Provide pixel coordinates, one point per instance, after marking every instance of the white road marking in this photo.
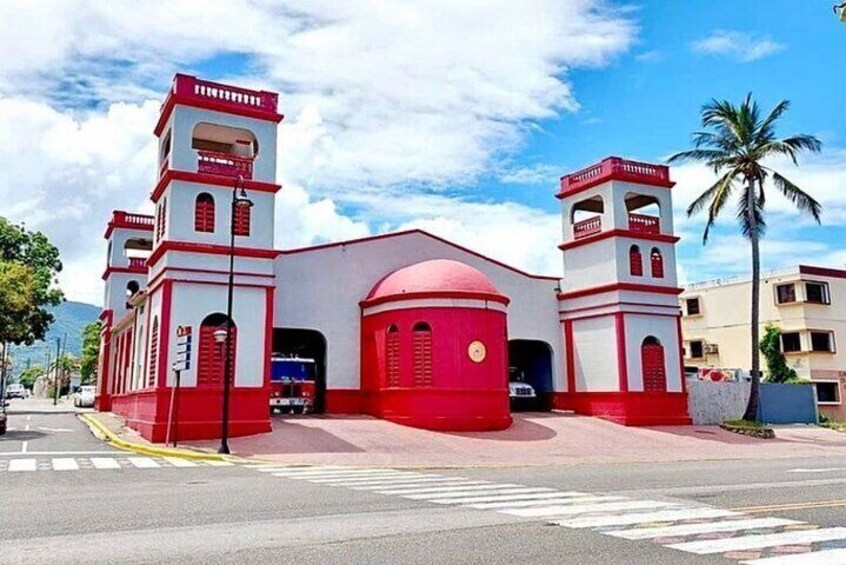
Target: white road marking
(334, 474)
(24, 445)
(512, 498)
(13, 453)
(452, 487)
(16, 465)
(818, 470)
(345, 480)
(143, 462)
(760, 541)
(179, 462)
(566, 510)
(690, 529)
(434, 481)
(464, 494)
(825, 557)
(65, 464)
(215, 463)
(549, 502)
(54, 430)
(642, 517)
(105, 463)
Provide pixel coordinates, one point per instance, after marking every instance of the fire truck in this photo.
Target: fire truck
(292, 385)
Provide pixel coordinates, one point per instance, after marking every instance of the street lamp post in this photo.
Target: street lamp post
(238, 201)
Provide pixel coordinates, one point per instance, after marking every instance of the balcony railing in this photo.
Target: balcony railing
(587, 227)
(128, 220)
(186, 86)
(226, 164)
(137, 263)
(644, 224)
(615, 168)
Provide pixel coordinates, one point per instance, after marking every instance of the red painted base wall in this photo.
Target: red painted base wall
(629, 408)
(198, 412)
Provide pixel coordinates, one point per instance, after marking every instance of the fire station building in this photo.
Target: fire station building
(403, 326)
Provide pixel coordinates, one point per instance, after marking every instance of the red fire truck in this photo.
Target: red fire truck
(292, 385)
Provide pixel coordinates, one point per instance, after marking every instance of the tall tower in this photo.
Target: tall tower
(618, 304)
(213, 139)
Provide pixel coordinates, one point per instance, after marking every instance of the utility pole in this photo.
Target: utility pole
(56, 380)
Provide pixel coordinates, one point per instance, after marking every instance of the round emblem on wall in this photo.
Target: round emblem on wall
(476, 350)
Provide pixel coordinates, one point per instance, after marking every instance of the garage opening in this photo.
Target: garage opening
(530, 363)
(298, 371)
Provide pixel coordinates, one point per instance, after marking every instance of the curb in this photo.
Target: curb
(101, 431)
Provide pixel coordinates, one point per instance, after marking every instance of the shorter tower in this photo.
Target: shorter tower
(618, 306)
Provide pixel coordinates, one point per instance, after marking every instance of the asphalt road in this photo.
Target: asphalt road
(238, 514)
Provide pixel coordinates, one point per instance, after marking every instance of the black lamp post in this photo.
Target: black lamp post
(238, 201)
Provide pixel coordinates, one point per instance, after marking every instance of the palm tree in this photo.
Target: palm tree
(734, 143)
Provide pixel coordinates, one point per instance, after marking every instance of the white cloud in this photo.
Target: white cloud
(737, 45)
(545, 174)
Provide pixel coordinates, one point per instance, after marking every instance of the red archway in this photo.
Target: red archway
(652, 365)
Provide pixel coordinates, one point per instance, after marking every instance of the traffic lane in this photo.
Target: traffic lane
(46, 433)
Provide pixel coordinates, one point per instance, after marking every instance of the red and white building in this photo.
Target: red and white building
(404, 326)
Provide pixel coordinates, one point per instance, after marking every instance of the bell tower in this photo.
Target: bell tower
(618, 303)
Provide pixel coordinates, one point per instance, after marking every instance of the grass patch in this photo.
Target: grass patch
(832, 425)
(744, 424)
(747, 428)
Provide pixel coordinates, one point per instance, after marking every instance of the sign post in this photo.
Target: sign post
(182, 363)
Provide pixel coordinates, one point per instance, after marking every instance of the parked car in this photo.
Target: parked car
(84, 397)
(521, 394)
(15, 390)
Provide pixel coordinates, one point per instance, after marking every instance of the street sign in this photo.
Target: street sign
(183, 349)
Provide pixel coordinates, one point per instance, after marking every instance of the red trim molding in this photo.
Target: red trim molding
(209, 179)
(661, 237)
(164, 333)
(613, 287)
(571, 359)
(133, 270)
(208, 249)
(822, 272)
(489, 297)
(622, 364)
(681, 355)
(615, 168)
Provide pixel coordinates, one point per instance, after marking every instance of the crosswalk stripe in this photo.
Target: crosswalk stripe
(461, 494)
(452, 487)
(690, 529)
(267, 467)
(179, 462)
(548, 502)
(761, 541)
(433, 481)
(16, 465)
(213, 463)
(643, 517)
(104, 463)
(824, 557)
(357, 479)
(65, 464)
(331, 474)
(566, 510)
(512, 498)
(143, 462)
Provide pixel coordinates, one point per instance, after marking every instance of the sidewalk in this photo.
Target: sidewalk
(534, 439)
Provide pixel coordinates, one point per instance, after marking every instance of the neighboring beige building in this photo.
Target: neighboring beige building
(807, 303)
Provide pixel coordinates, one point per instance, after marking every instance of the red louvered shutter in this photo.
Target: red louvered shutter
(392, 354)
(154, 354)
(204, 213)
(635, 261)
(242, 220)
(210, 356)
(657, 264)
(422, 356)
(652, 364)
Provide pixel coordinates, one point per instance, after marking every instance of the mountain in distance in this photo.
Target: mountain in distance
(68, 318)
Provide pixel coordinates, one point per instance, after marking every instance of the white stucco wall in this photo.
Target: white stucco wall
(595, 355)
(321, 289)
(665, 329)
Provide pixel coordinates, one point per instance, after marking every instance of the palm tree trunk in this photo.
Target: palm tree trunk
(755, 373)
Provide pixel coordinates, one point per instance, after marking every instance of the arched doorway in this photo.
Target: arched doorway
(309, 346)
(530, 362)
(652, 365)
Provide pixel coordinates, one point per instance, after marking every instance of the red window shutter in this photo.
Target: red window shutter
(242, 220)
(154, 354)
(211, 366)
(204, 214)
(392, 354)
(652, 365)
(635, 262)
(422, 358)
(657, 261)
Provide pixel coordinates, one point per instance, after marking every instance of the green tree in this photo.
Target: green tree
(90, 352)
(28, 375)
(735, 143)
(777, 368)
(31, 265)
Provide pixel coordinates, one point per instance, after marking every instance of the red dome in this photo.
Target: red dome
(438, 278)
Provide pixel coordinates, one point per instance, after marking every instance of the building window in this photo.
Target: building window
(697, 349)
(786, 293)
(421, 369)
(242, 220)
(154, 354)
(692, 306)
(160, 229)
(204, 213)
(657, 262)
(828, 392)
(211, 355)
(652, 365)
(635, 261)
(817, 293)
(822, 341)
(392, 356)
(790, 342)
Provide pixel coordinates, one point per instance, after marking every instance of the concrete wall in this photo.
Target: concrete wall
(595, 355)
(711, 403)
(787, 404)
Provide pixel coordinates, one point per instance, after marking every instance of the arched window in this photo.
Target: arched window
(421, 367)
(242, 220)
(392, 356)
(635, 261)
(204, 213)
(652, 365)
(657, 262)
(154, 354)
(211, 354)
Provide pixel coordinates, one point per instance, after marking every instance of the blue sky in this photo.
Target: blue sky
(455, 117)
